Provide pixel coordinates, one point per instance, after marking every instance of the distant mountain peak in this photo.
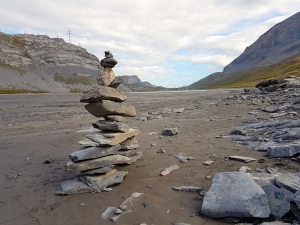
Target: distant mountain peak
(278, 43)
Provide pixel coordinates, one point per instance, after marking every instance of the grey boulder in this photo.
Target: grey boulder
(286, 150)
(106, 77)
(99, 93)
(289, 181)
(278, 200)
(106, 107)
(235, 194)
(109, 62)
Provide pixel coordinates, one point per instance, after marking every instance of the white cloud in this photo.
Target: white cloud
(147, 35)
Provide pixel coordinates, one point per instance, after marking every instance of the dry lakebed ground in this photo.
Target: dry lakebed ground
(35, 126)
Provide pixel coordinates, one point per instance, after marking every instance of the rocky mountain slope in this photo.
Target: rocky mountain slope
(40, 63)
(278, 48)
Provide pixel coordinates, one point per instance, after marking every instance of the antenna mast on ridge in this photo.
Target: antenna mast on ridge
(69, 32)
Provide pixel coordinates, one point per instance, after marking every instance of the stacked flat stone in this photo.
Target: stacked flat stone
(112, 145)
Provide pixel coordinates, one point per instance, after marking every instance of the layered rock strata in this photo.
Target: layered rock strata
(114, 144)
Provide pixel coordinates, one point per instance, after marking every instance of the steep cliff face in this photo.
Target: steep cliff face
(134, 80)
(276, 45)
(38, 62)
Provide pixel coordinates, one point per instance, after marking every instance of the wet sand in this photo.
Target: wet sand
(35, 126)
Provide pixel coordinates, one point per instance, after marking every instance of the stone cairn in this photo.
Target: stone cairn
(112, 145)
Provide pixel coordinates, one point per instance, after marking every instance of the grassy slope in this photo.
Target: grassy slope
(250, 77)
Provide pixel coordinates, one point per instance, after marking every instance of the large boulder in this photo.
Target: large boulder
(99, 93)
(235, 194)
(106, 107)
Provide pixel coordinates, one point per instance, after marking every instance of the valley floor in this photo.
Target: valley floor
(35, 126)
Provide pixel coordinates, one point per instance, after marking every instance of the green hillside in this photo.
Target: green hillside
(250, 77)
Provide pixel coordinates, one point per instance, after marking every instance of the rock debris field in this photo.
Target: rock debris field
(214, 157)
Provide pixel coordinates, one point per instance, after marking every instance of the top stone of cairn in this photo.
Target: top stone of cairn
(108, 54)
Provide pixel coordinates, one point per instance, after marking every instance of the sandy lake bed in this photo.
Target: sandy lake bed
(35, 126)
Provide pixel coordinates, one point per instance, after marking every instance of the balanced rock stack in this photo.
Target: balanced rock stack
(112, 145)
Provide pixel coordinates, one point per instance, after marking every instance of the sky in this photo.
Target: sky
(170, 43)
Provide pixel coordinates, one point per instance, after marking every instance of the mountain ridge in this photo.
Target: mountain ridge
(278, 46)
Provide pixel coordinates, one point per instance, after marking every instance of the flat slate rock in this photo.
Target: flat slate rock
(289, 181)
(99, 93)
(286, 150)
(85, 153)
(111, 126)
(101, 170)
(75, 186)
(97, 163)
(270, 109)
(136, 157)
(241, 158)
(278, 200)
(265, 179)
(105, 107)
(95, 180)
(235, 194)
(115, 118)
(108, 139)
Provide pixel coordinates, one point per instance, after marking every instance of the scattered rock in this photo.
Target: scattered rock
(169, 170)
(170, 131)
(188, 188)
(128, 202)
(272, 170)
(161, 151)
(241, 158)
(208, 162)
(109, 212)
(244, 169)
(50, 159)
(183, 157)
(181, 110)
(270, 109)
(115, 218)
